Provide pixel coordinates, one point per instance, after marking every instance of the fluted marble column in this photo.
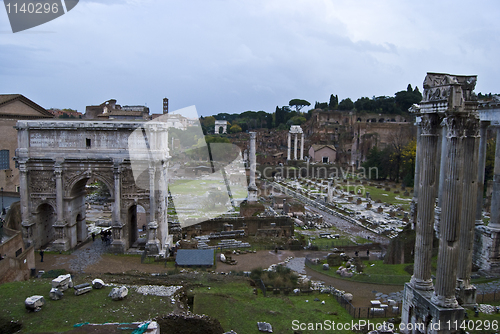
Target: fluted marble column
(416, 182)
(295, 147)
(302, 147)
(442, 170)
(480, 171)
(441, 175)
(289, 146)
(421, 278)
(495, 196)
(469, 202)
(444, 292)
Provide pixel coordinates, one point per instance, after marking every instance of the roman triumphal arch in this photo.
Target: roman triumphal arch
(56, 158)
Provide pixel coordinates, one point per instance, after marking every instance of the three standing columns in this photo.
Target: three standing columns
(457, 206)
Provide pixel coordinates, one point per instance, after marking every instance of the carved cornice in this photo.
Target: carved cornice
(448, 93)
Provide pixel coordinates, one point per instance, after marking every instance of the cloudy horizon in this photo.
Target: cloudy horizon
(234, 56)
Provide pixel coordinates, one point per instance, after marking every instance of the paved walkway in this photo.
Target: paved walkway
(87, 255)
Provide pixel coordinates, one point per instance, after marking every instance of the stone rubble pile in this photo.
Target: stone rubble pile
(157, 290)
(223, 244)
(488, 309)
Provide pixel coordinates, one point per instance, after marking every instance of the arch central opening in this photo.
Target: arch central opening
(47, 217)
(90, 208)
(137, 227)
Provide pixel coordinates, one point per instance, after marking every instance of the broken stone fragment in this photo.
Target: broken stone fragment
(265, 327)
(34, 303)
(55, 294)
(62, 282)
(118, 293)
(97, 283)
(82, 288)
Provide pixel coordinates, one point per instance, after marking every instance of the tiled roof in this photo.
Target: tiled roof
(7, 98)
(317, 147)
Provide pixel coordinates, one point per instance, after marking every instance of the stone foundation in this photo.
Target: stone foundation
(426, 317)
(486, 250)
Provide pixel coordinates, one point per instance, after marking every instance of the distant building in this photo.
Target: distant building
(323, 153)
(14, 107)
(111, 110)
(58, 113)
(165, 106)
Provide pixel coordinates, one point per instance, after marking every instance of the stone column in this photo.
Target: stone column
(59, 194)
(330, 191)
(289, 146)
(480, 171)
(416, 182)
(444, 293)
(152, 244)
(295, 148)
(442, 170)
(495, 195)
(468, 213)
(441, 175)
(61, 242)
(152, 200)
(24, 199)
(302, 147)
(117, 195)
(252, 187)
(421, 278)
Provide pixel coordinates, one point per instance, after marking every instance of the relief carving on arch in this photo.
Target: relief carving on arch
(42, 182)
(128, 184)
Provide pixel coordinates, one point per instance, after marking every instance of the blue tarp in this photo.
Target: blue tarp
(195, 257)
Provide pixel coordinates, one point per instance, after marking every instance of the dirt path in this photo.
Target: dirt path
(91, 259)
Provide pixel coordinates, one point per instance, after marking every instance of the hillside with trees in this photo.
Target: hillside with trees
(285, 116)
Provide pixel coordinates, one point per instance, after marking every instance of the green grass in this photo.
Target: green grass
(324, 243)
(60, 315)
(237, 308)
(378, 194)
(379, 273)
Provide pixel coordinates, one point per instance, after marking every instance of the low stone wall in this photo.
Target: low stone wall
(16, 259)
(251, 225)
(486, 250)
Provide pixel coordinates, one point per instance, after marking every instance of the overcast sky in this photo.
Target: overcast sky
(237, 55)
